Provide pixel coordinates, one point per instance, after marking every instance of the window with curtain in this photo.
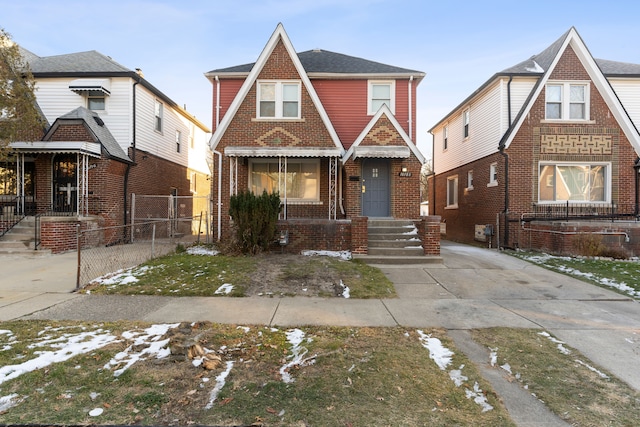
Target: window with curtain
(302, 179)
(577, 183)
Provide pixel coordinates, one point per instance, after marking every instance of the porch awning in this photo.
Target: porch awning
(101, 85)
(91, 148)
(382, 152)
(282, 152)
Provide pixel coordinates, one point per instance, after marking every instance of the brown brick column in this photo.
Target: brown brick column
(429, 230)
(359, 235)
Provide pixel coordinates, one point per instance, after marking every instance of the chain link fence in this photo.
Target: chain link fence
(106, 250)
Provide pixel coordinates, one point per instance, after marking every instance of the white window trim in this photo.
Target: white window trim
(453, 205)
(290, 200)
(566, 101)
(466, 113)
(445, 138)
(493, 170)
(156, 116)
(562, 202)
(178, 140)
(469, 184)
(104, 98)
(392, 94)
(279, 100)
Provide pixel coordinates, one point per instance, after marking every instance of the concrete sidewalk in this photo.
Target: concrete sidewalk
(472, 288)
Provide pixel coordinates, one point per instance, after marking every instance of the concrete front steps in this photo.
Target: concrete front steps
(395, 241)
(20, 239)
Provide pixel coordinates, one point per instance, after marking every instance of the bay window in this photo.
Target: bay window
(573, 182)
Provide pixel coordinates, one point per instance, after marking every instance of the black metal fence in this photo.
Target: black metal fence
(581, 211)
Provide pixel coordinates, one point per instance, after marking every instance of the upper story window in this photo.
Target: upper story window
(567, 101)
(381, 92)
(465, 123)
(178, 140)
(445, 137)
(159, 111)
(96, 100)
(278, 100)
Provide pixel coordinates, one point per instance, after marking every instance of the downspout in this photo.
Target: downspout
(133, 155)
(219, 154)
(636, 167)
(506, 169)
(410, 108)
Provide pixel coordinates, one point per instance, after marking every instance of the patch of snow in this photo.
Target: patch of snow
(220, 382)
(592, 369)
(506, 367)
(9, 401)
(479, 397)
(11, 339)
(493, 356)
(295, 337)
(346, 292)
(202, 250)
(343, 255)
(437, 352)
(150, 342)
(559, 343)
(67, 346)
(536, 68)
(96, 412)
(226, 288)
(414, 230)
(457, 377)
(246, 329)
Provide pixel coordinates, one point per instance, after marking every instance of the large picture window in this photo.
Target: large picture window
(572, 182)
(278, 100)
(9, 179)
(299, 180)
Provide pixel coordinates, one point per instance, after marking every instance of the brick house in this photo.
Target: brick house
(332, 133)
(110, 134)
(542, 154)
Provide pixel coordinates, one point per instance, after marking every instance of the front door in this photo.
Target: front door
(375, 188)
(65, 183)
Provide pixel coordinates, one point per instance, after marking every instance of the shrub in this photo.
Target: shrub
(587, 244)
(254, 219)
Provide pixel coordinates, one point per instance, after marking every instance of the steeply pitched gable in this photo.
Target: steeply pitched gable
(572, 39)
(389, 142)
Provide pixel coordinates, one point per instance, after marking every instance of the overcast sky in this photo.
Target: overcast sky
(459, 44)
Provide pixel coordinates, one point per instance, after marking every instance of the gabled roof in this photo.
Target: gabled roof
(383, 151)
(573, 39)
(278, 35)
(97, 128)
(539, 64)
(323, 62)
(91, 64)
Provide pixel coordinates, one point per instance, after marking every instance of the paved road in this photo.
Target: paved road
(472, 288)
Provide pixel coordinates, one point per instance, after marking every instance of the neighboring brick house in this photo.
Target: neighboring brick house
(333, 134)
(113, 134)
(543, 152)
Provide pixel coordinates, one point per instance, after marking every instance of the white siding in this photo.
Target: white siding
(488, 123)
(628, 91)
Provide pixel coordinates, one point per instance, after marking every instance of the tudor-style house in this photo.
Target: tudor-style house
(333, 134)
(542, 154)
(110, 134)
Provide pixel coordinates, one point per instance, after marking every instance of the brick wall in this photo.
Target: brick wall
(429, 232)
(360, 235)
(60, 234)
(316, 234)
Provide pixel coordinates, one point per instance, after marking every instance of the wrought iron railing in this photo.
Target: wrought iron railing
(581, 211)
(11, 213)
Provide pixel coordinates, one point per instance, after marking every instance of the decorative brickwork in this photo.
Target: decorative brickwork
(576, 144)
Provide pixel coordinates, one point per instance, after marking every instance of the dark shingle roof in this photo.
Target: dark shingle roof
(81, 62)
(324, 61)
(104, 136)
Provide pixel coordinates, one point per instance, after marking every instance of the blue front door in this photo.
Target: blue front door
(375, 188)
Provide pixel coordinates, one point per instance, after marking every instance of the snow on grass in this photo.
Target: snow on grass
(225, 289)
(442, 356)
(343, 255)
(295, 337)
(11, 339)
(123, 276)
(346, 292)
(65, 347)
(592, 369)
(220, 382)
(437, 352)
(9, 401)
(150, 342)
(201, 250)
(559, 343)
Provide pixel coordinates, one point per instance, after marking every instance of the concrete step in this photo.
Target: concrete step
(394, 243)
(413, 251)
(398, 260)
(389, 222)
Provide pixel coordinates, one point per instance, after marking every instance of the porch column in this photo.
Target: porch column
(333, 193)
(282, 181)
(83, 185)
(20, 183)
(233, 176)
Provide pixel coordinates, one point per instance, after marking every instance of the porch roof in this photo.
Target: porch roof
(282, 152)
(93, 149)
(382, 152)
